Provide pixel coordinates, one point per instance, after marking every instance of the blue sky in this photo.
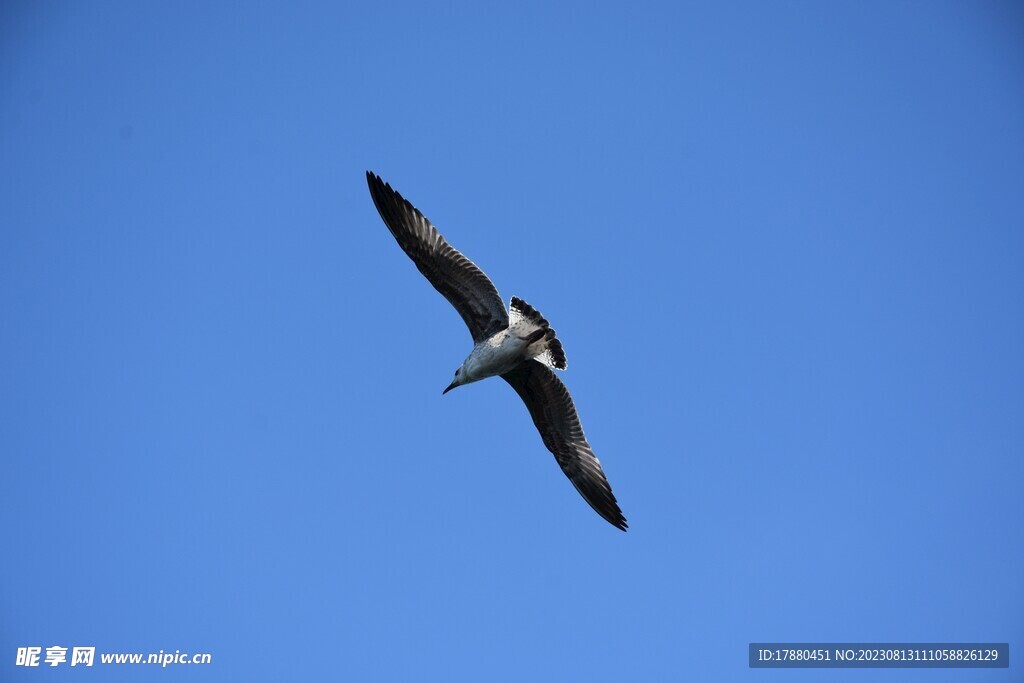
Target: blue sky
(781, 242)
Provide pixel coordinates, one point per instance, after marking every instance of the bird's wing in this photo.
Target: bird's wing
(555, 416)
(464, 285)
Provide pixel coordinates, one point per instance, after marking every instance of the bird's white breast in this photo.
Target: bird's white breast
(495, 355)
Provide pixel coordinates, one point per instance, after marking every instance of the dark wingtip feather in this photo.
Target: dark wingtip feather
(603, 501)
(388, 200)
(613, 515)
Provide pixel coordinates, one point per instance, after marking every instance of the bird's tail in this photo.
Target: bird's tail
(528, 324)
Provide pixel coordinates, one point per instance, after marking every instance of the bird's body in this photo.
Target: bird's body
(495, 355)
(516, 344)
(528, 336)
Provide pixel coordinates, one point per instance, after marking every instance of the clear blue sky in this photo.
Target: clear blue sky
(783, 245)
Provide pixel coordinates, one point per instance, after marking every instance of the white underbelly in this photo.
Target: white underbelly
(496, 355)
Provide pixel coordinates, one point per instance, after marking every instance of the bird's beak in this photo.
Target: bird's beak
(448, 388)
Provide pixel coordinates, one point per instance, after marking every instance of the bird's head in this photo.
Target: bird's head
(460, 379)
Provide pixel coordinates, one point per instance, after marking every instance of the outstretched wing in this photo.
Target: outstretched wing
(555, 416)
(455, 276)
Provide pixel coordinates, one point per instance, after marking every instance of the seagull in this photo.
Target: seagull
(518, 345)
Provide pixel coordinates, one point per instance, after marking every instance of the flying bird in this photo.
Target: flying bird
(518, 345)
